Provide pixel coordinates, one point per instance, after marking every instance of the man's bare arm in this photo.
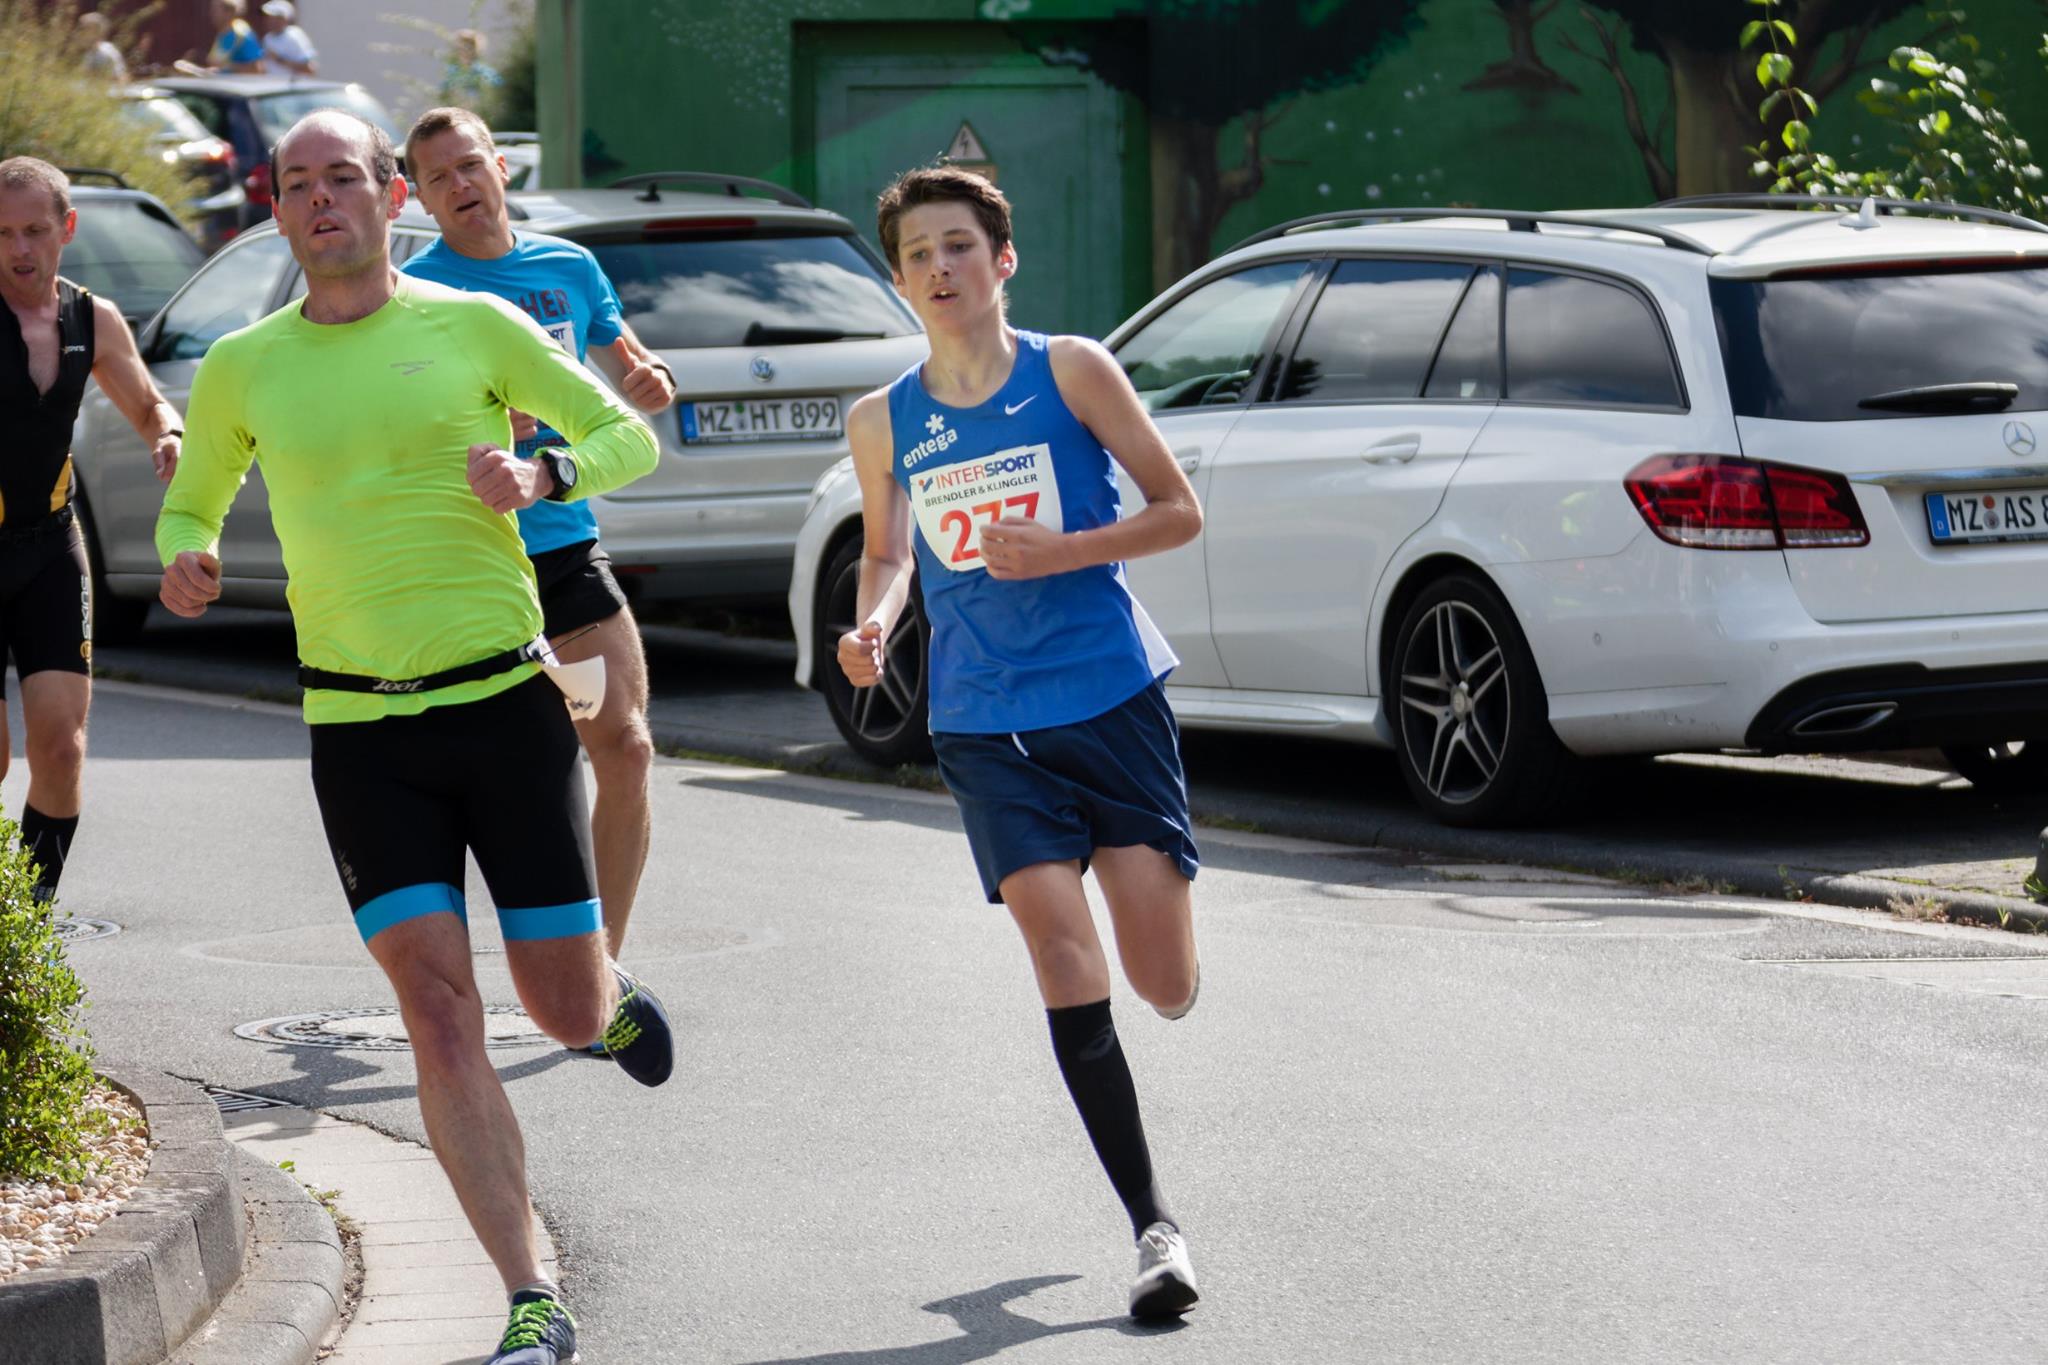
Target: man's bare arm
(126, 381)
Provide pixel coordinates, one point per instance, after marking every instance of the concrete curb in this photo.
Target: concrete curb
(1419, 834)
(290, 1294)
(135, 1288)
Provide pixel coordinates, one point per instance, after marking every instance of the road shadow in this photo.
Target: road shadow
(324, 1078)
(988, 1326)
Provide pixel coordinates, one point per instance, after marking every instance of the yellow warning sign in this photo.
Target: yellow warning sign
(967, 151)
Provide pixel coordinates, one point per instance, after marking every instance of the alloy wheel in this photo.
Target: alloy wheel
(1455, 693)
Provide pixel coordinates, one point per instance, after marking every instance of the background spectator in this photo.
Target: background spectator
(236, 49)
(102, 58)
(467, 77)
(287, 51)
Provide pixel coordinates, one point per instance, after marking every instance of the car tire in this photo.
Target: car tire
(115, 620)
(2015, 767)
(888, 723)
(1470, 718)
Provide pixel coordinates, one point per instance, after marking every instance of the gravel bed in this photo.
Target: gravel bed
(40, 1221)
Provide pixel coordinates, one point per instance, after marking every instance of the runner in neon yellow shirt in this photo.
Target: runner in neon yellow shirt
(397, 570)
(377, 410)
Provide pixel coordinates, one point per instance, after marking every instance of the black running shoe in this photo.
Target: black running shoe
(540, 1332)
(638, 1037)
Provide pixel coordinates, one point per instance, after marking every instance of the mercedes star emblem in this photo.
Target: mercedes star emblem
(2019, 439)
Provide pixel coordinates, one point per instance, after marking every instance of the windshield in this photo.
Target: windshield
(275, 114)
(129, 256)
(166, 119)
(684, 293)
(1813, 349)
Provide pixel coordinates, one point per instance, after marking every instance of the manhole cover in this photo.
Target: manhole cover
(380, 1029)
(80, 930)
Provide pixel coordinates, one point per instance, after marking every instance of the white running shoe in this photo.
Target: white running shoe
(1182, 1012)
(1165, 1286)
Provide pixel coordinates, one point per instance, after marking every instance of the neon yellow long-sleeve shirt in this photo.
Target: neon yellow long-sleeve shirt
(362, 431)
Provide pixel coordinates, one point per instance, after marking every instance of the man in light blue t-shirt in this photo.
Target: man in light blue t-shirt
(460, 178)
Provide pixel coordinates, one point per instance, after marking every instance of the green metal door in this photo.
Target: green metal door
(883, 99)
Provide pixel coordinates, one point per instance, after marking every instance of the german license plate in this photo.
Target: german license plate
(792, 418)
(1988, 515)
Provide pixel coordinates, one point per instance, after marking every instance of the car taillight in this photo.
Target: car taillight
(257, 183)
(1723, 502)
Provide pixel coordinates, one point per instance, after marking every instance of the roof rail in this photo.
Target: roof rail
(1518, 220)
(95, 173)
(734, 185)
(1937, 207)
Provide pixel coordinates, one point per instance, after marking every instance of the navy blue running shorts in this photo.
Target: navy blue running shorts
(1054, 795)
(405, 797)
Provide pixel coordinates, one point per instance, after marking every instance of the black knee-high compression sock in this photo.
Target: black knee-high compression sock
(1092, 1061)
(47, 839)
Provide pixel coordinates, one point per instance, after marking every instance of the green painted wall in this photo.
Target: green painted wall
(1434, 114)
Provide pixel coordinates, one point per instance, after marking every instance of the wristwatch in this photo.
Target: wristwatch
(562, 469)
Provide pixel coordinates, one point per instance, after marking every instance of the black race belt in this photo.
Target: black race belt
(531, 652)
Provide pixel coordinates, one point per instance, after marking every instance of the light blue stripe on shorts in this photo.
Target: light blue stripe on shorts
(409, 902)
(551, 921)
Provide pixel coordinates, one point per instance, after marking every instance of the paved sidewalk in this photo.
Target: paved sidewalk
(430, 1296)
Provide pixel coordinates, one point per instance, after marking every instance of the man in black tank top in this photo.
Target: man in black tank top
(53, 337)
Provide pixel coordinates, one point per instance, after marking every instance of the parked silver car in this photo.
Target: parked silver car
(773, 315)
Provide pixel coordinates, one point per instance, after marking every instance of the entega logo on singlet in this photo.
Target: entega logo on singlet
(942, 438)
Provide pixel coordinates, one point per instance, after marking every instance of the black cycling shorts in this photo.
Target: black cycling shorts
(404, 797)
(46, 601)
(577, 588)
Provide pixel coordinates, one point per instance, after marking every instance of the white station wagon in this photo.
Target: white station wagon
(1505, 490)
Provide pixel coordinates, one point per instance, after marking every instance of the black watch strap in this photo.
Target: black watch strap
(561, 472)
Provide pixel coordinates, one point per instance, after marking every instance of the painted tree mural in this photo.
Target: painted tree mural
(1523, 71)
(1202, 66)
(1713, 89)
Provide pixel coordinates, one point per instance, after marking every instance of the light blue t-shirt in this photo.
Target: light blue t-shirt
(560, 286)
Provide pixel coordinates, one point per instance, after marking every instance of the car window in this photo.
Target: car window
(275, 114)
(1204, 347)
(164, 118)
(757, 289)
(1571, 339)
(1374, 328)
(1468, 365)
(1811, 350)
(233, 291)
(125, 253)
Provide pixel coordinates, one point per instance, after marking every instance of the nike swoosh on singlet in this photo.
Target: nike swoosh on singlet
(1012, 411)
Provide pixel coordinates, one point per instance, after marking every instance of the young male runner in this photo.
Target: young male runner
(55, 334)
(993, 459)
(461, 179)
(378, 410)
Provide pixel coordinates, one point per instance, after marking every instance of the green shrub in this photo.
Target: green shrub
(45, 1058)
(52, 108)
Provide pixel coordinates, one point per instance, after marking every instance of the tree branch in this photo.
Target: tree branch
(1663, 184)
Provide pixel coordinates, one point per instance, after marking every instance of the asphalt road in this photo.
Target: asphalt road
(1846, 832)
(1418, 1115)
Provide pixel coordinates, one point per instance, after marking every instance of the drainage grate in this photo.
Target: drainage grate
(381, 1029)
(83, 930)
(238, 1102)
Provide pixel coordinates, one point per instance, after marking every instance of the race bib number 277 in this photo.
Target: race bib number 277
(954, 504)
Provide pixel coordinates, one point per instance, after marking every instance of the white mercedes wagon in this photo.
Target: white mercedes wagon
(1502, 491)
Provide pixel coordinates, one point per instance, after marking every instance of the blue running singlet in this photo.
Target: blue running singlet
(1016, 655)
